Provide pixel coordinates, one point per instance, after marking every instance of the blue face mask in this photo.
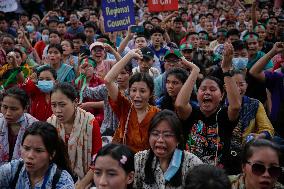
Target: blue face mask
(30, 29)
(174, 165)
(45, 38)
(45, 86)
(240, 63)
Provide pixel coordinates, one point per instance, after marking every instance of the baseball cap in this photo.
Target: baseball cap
(147, 53)
(173, 52)
(95, 44)
(186, 46)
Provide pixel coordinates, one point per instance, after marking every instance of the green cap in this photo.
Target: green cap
(175, 52)
(186, 46)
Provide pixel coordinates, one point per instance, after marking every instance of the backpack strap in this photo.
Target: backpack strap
(56, 178)
(16, 177)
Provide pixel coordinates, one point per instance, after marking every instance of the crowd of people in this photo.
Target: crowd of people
(192, 98)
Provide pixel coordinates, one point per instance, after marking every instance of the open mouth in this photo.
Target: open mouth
(29, 165)
(137, 103)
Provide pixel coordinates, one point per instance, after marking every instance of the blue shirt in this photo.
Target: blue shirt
(79, 29)
(8, 172)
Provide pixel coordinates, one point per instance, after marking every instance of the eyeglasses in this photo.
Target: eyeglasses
(164, 135)
(259, 169)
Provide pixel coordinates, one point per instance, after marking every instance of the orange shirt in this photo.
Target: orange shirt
(137, 137)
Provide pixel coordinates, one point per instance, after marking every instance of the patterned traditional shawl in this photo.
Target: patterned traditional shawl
(80, 141)
(25, 121)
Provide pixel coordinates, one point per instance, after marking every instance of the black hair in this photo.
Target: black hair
(207, 176)
(233, 32)
(180, 74)
(239, 45)
(70, 42)
(81, 36)
(47, 68)
(54, 32)
(128, 67)
(67, 89)
(145, 77)
(4, 18)
(253, 145)
(218, 81)
(175, 124)
(52, 142)
(92, 25)
(204, 32)
(18, 94)
(201, 15)
(157, 29)
(118, 152)
(56, 46)
(178, 19)
(271, 17)
(147, 22)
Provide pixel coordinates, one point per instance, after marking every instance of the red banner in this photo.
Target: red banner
(162, 5)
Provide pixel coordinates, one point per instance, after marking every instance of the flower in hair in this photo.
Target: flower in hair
(123, 159)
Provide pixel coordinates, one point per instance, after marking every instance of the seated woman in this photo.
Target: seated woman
(119, 159)
(67, 57)
(208, 127)
(100, 93)
(165, 164)
(260, 165)
(65, 73)
(45, 162)
(78, 128)
(253, 123)
(175, 79)
(134, 115)
(13, 123)
(39, 89)
(88, 78)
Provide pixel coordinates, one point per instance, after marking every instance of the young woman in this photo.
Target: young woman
(78, 128)
(110, 122)
(67, 57)
(13, 123)
(253, 123)
(100, 93)
(175, 79)
(165, 165)
(134, 115)
(260, 165)
(114, 167)
(65, 73)
(207, 126)
(88, 78)
(45, 162)
(39, 89)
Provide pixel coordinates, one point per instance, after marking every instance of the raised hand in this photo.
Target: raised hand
(136, 53)
(278, 47)
(227, 57)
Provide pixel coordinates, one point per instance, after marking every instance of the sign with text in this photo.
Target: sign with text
(118, 14)
(8, 5)
(162, 5)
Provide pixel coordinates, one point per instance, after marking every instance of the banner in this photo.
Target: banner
(118, 14)
(162, 5)
(8, 5)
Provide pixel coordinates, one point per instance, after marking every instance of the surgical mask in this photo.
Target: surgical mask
(45, 38)
(240, 63)
(174, 165)
(45, 86)
(30, 29)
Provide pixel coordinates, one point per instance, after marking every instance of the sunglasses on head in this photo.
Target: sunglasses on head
(259, 169)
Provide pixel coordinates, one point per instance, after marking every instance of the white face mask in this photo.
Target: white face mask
(45, 38)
